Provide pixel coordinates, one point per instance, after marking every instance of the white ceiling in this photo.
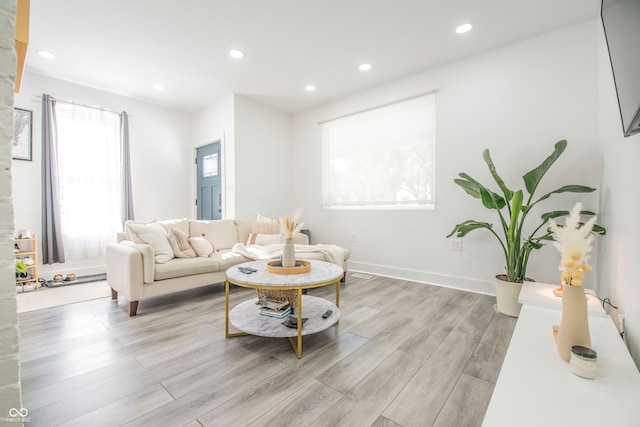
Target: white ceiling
(127, 46)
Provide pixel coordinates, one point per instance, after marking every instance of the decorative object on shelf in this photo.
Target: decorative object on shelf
(288, 227)
(26, 253)
(288, 254)
(299, 267)
(21, 270)
(289, 295)
(573, 241)
(515, 247)
(21, 143)
(583, 362)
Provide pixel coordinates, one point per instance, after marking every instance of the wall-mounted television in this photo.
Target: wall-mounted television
(621, 22)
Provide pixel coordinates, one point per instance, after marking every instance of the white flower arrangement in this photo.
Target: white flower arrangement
(573, 240)
(289, 224)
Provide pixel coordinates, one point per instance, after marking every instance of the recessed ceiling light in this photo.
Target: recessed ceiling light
(309, 88)
(364, 67)
(159, 88)
(464, 28)
(46, 54)
(236, 53)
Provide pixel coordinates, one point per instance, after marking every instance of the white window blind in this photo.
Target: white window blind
(382, 158)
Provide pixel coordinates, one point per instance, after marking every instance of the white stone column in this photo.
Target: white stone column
(10, 391)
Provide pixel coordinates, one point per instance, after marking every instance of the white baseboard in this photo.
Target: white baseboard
(48, 271)
(462, 283)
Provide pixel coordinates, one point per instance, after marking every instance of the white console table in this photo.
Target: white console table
(536, 388)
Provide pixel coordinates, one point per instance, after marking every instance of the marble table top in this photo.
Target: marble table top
(321, 273)
(247, 318)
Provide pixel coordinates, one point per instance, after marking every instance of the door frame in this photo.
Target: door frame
(223, 179)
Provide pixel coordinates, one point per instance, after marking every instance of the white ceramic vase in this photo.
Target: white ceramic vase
(288, 254)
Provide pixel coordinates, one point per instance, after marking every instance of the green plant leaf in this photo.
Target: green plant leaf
(566, 189)
(557, 214)
(508, 194)
(516, 208)
(492, 200)
(464, 228)
(533, 177)
(469, 185)
(473, 188)
(21, 267)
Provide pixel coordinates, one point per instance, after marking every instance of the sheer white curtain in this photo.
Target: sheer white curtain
(89, 172)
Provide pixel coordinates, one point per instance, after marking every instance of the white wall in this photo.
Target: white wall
(517, 101)
(264, 180)
(621, 173)
(212, 124)
(161, 160)
(256, 145)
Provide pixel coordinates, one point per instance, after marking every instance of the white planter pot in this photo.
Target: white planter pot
(507, 294)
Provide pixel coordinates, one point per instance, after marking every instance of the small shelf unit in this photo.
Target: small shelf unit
(28, 248)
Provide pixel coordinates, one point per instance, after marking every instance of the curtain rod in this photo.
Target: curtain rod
(378, 106)
(39, 97)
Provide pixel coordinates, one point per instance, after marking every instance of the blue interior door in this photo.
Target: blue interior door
(209, 182)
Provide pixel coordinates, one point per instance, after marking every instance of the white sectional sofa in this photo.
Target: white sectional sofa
(161, 257)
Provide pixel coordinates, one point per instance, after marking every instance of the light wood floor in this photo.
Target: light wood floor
(403, 354)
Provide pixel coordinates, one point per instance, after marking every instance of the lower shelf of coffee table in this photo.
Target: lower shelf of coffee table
(247, 318)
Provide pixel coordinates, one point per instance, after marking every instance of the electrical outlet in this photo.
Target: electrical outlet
(455, 245)
(353, 237)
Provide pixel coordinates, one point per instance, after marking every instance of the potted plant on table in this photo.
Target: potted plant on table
(512, 211)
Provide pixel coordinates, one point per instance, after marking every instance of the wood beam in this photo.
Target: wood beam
(21, 39)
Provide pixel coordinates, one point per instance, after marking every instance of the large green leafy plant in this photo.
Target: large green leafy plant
(513, 210)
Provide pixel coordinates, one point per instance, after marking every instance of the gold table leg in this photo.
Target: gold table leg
(297, 346)
(226, 320)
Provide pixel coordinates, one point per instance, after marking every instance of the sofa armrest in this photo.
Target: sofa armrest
(148, 259)
(125, 270)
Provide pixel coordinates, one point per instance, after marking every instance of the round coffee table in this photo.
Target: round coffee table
(247, 318)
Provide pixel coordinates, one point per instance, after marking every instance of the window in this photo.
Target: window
(89, 178)
(381, 158)
(210, 165)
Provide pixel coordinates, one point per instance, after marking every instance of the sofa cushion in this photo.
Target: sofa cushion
(179, 242)
(182, 267)
(202, 246)
(155, 236)
(130, 235)
(221, 233)
(228, 258)
(258, 227)
(178, 224)
(266, 219)
(243, 227)
(263, 239)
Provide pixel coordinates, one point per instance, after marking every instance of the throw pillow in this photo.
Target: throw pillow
(262, 218)
(154, 236)
(264, 239)
(202, 246)
(180, 244)
(265, 227)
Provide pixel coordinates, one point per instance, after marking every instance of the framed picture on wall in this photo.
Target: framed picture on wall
(21, 134)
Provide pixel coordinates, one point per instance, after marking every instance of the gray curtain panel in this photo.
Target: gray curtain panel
(127, 194)
(52, 246)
